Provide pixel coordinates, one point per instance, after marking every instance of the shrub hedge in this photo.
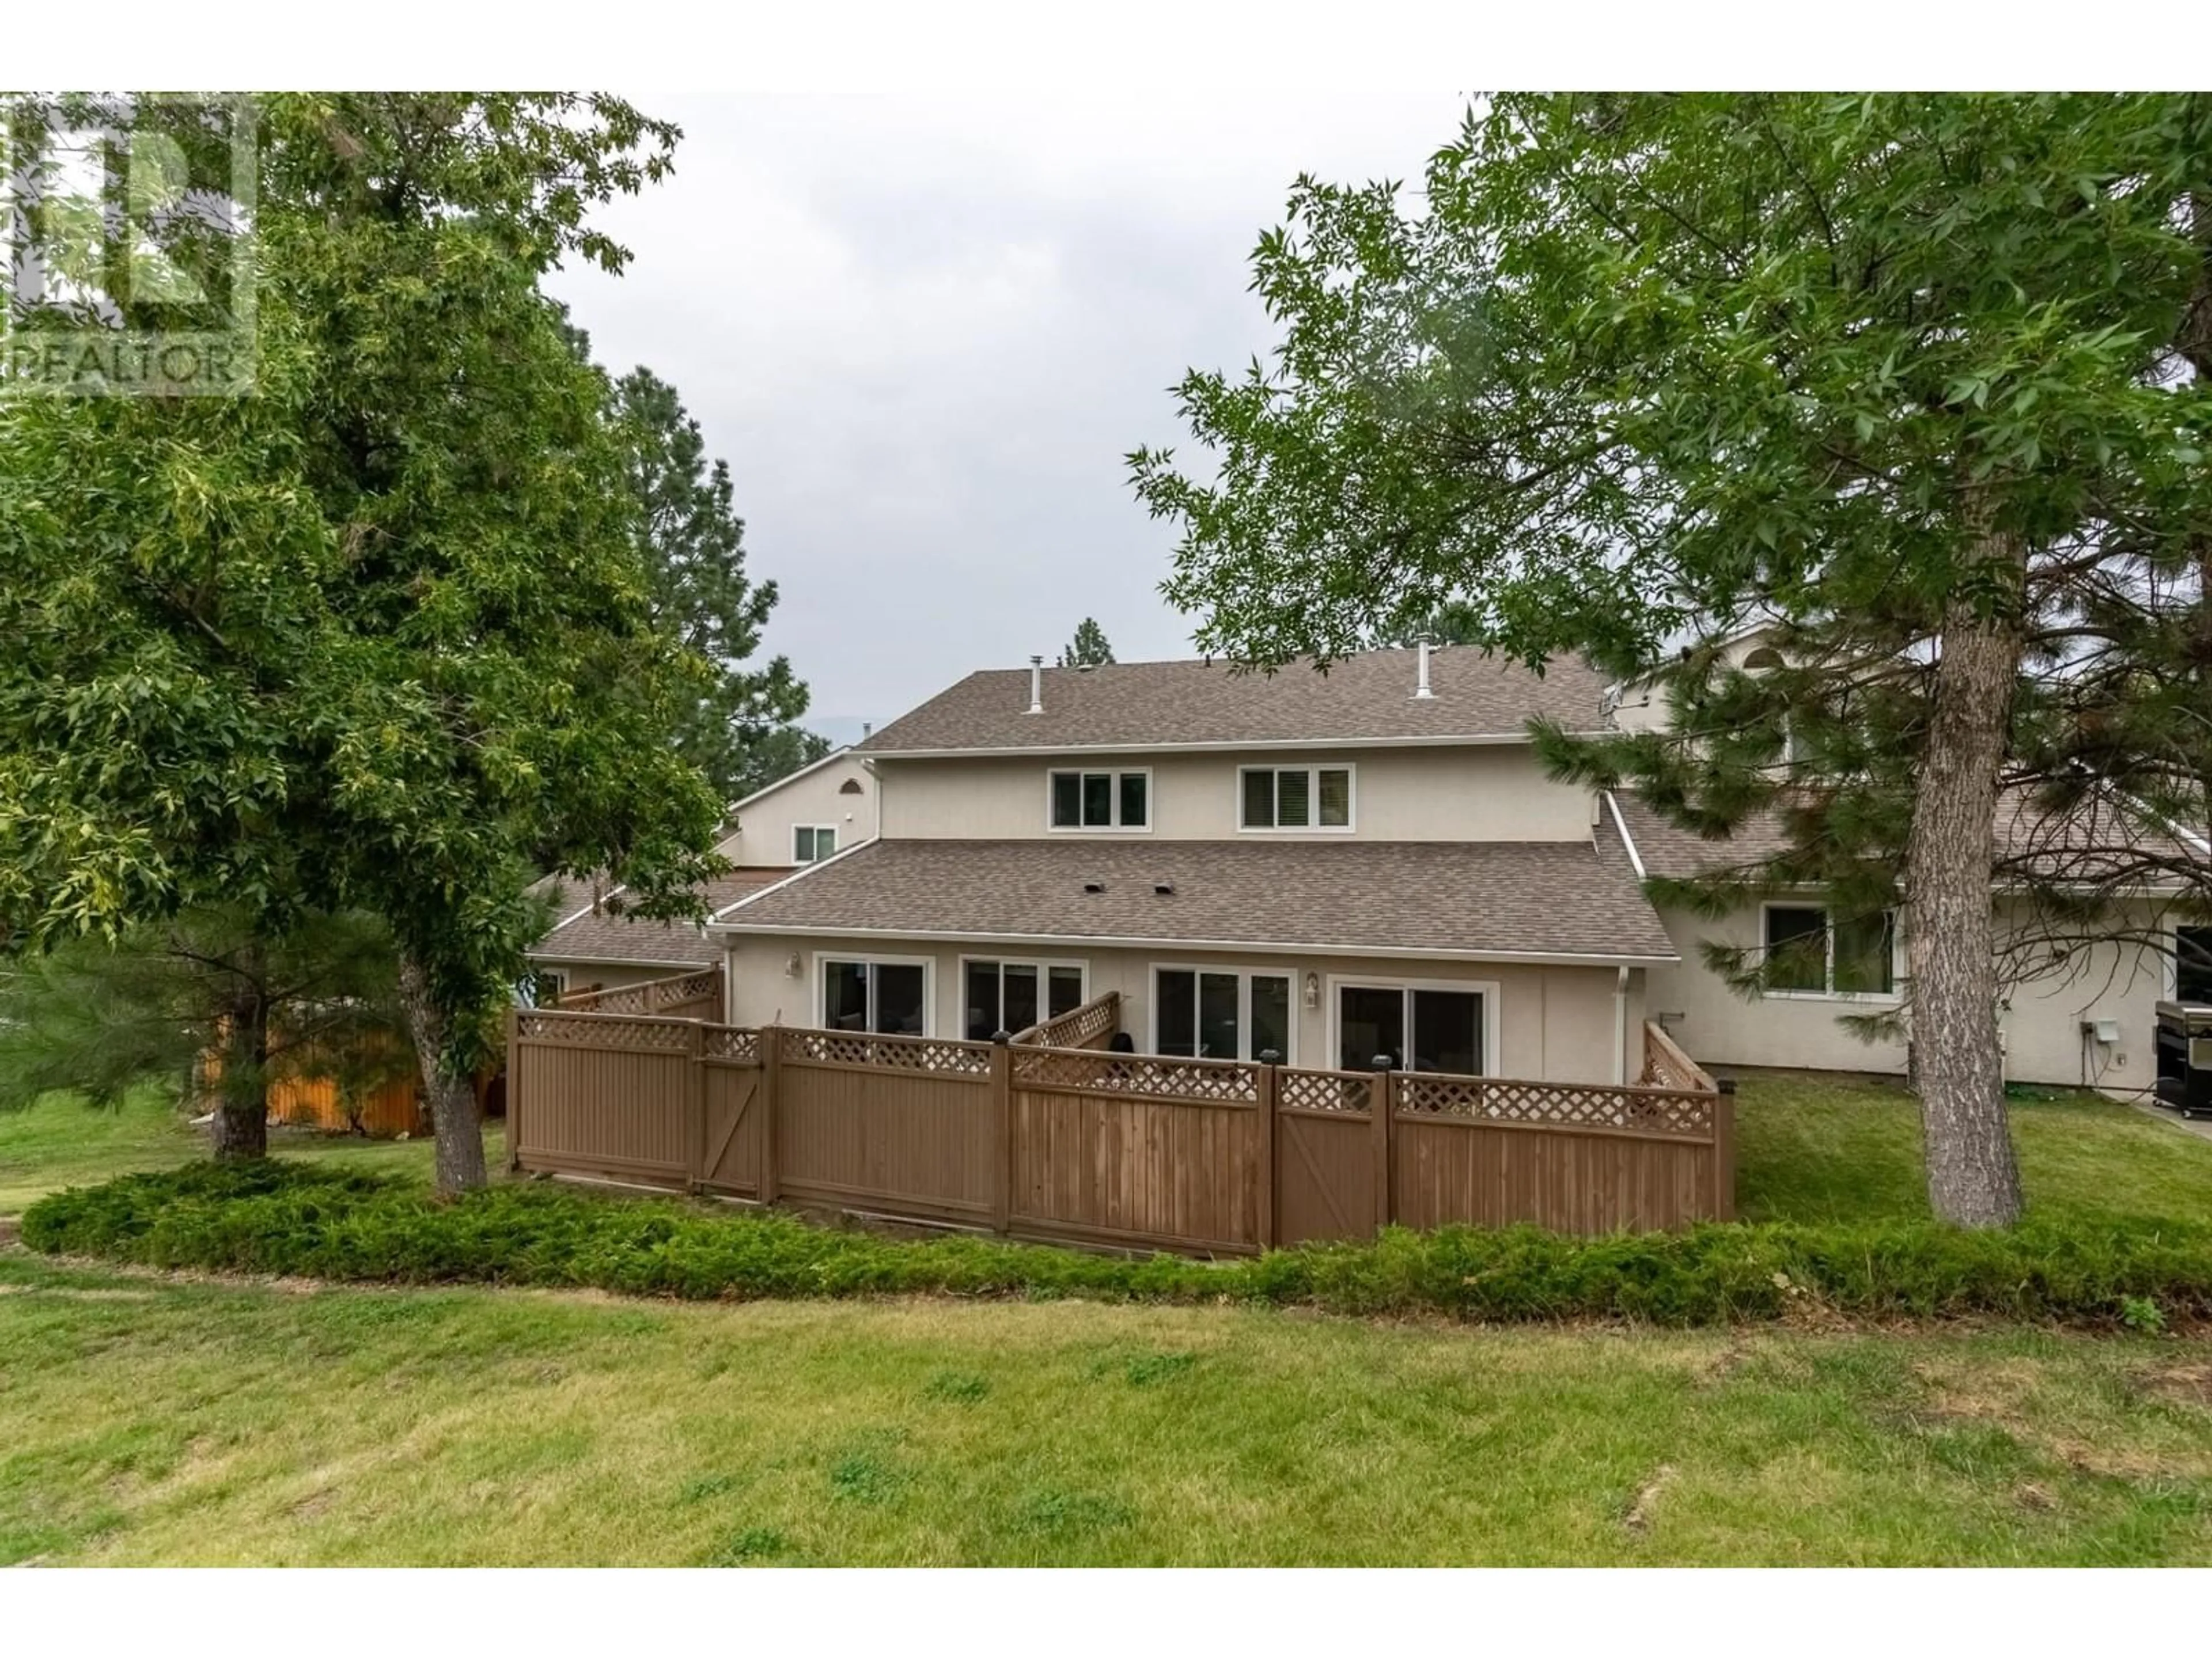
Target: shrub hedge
(279, 1217)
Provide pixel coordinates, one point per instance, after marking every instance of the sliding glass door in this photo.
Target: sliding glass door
(1220, 1013)
(1419, 1028)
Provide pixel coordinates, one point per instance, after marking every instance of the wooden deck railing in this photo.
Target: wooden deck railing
(1101, 1147)
(681, 996)
(1090, 1026)
(1667, 1065)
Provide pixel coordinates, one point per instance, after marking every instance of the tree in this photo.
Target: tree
(1088, 648)
(737, 727)
(373, 636)
(97, 1016)
(1895, 371)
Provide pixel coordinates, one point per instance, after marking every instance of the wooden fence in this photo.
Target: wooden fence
(1204, 1156)
(1090, 1026)
(683, 996)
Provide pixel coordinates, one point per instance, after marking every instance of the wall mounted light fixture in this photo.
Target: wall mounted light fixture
(1313, 990)
(792, 966)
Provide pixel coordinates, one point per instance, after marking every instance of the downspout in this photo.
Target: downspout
(1620, 1028)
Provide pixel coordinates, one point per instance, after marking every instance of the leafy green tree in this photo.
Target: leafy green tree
(737, 728)
(377, 634)
(97, 1016)
(1088, 648)
(1896, 372)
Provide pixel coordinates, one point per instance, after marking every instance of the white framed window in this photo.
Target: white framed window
(1297, 799)
(1808, 954)
(547, 985)
(998, 995)
(890, 996)
(1423, 1025)
(812, 842)
(1204, 1012)
(1104, 800)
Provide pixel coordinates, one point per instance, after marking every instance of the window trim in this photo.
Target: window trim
(819, 855)
(821, 998)
(1116, 828)
(1042, 964)
(1894, 995)
(1312, 771)
(1244, 972)
(2174, 956)
(1492, 997)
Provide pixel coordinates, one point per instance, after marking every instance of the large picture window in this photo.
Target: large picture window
(888, 997)
(1294, 797)
(1012, 996)
(1099, 800)
(1221, 1013)
(1809, 954)
(1422, 1027)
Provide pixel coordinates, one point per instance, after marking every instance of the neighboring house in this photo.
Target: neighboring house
(2086, 1017)
(1333, 867)
(814, 813)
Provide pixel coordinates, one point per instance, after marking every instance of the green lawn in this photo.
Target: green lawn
(147, 1418)
(61, 1142)
(153, 1420)
(1824, 1148)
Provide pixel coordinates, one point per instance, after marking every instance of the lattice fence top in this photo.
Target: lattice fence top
(653, 996)
(729, 1042)
(1077, 1026)
(1136, 1074)
(892, 1053)
(1655, 1111)
(606, 1031)
(1324, 1091)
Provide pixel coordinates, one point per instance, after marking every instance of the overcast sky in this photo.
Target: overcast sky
(925, 333)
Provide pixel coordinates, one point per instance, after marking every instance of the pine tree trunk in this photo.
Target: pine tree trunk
(458, 1134)
(1973, 1179)
(239, 1129)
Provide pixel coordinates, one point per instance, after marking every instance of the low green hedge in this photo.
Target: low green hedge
(279, 1217)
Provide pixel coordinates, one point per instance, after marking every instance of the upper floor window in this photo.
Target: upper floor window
(1101, 800)
(1808, 954)
(812, 842)
(1295, 797)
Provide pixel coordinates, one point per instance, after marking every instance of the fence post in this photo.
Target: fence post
(1724, 1150)
(771, 1098)
(1379, 1112)
(694, 1108)
(514, 1076)
(1002, 1123)
(1269, 1059)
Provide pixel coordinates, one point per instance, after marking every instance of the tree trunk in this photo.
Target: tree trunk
(239, 1129)
(1973, 1179)
(453, 1102)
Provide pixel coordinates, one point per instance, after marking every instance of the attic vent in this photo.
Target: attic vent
(1094, 886)
(850, 787)
(1164, 889)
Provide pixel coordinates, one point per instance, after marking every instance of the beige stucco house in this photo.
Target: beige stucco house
(1330, 867)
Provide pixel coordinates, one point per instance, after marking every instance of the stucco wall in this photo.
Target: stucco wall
(764, 826)
(2041, 1019)
(1493, 792)
(1555, 1023)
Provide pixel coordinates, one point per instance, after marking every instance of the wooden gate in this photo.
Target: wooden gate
(1325, 1155)
(732, 1111)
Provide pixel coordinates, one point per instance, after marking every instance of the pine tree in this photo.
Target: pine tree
(1088, 648)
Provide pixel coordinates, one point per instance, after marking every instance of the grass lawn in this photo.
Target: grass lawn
(61, 1142)
(150, 1419)
(157, 1418)
(1814, 1147)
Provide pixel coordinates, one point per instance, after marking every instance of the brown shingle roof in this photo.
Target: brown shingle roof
(594, 935)
(1369, 697)
(1564, 898)
(2092, 843)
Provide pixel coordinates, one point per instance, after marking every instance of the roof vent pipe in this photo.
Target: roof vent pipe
(1422, 689)
(1037, 685)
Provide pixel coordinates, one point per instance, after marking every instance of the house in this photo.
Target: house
(1338, 866)
(795, 821)
(1331, 867)
(2084, 1015)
